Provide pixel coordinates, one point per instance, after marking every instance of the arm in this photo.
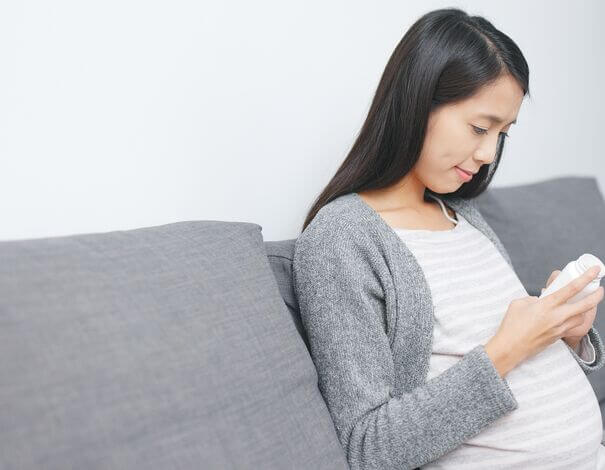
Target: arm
(342, 310)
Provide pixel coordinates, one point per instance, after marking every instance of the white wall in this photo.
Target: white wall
(124, 114)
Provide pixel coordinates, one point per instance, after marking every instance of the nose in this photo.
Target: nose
(486, 152)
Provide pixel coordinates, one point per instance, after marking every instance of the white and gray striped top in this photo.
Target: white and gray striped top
(558, 422)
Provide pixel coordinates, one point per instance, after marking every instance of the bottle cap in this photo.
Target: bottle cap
(587, 261)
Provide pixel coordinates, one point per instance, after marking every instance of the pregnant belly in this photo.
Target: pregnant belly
(556, 425)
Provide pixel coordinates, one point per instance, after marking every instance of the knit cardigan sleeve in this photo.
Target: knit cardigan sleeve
(341, 301)
(590, 346)
(585, 350)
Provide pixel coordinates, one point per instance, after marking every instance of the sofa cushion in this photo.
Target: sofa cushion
(280, 255)
(160, 347)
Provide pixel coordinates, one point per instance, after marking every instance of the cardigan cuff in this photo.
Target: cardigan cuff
(585, 350)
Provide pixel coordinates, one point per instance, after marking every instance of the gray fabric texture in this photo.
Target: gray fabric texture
(279, 254)
(367, 311)
(165, 347)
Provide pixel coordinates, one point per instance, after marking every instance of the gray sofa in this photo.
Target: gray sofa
(180, 346)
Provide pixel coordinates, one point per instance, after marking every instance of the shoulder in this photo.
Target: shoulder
(340, 220)
(344, 209)
(338, 238)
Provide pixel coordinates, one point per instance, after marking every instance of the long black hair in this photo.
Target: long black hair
(445, 57)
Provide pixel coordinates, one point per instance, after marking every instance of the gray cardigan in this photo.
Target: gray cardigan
(367, 310)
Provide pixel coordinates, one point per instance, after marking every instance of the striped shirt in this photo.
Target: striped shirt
(558, 422)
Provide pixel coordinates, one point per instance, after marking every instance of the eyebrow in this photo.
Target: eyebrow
(495, 119)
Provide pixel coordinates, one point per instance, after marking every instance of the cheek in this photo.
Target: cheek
(446, 148)
(440, 161)
(462, 146)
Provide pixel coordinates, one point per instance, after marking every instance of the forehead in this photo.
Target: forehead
(498, 102)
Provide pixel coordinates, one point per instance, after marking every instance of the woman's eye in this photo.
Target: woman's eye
(479, 130)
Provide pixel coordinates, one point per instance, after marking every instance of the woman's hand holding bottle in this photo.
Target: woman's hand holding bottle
(531, 324)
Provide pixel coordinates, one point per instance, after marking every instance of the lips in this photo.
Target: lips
(463, 175)
(467, 172)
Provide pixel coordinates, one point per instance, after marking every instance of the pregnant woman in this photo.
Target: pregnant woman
(429, 351)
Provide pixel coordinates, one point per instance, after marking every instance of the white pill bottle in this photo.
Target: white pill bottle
(573, 270)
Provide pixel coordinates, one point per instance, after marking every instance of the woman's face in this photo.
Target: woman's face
(462, 135)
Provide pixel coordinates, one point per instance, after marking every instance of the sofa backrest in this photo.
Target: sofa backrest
(159, 348)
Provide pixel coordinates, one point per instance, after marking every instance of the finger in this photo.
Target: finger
(566, 292)
(587, 303)
(552, 277)
(572, 322)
